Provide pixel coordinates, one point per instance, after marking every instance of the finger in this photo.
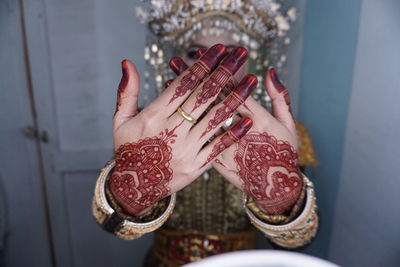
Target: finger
(182, 86)
(221, 112)
(208, 90)
(200, 52)
(178, 65)
(127, 96)
(168, 83)
(219, 144)
(281, 107)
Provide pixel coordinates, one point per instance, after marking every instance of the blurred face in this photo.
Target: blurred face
(207, 41)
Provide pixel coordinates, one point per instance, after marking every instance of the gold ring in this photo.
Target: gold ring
(186, 116)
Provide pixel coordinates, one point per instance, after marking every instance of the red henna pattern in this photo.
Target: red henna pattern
(191, 80)
(226, 140)
(230, 137)
(229, 87)
(220, 163)
(142, 172)
(212, 86)
(280, 88)
(269, 172)
(230, 104)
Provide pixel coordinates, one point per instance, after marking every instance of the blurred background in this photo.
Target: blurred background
(59, 69)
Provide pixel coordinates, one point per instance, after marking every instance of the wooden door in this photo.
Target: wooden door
(75, 48)
(25, 238)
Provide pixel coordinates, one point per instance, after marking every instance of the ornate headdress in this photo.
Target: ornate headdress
(259, 25)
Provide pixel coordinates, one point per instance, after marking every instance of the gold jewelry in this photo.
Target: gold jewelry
(189, 246)
(297, 233)
(186, 116)
(260, 26)
(114, 222)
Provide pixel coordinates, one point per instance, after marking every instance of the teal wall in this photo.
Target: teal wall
(330, 38)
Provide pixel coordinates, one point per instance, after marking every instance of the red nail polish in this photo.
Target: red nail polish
(242, 127)
(124, 79)
(178, 65)
(246, 86)
(235, 59)
(275, 80)
(213, 56)
(168, 83)
(200, 52)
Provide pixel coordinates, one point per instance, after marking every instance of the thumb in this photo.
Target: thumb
(281, 108)
(127, 95)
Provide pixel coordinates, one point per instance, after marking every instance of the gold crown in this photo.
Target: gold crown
(262, 20)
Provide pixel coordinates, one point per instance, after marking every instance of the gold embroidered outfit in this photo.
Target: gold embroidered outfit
(211, 216)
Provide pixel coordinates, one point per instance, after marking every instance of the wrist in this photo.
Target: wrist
(121, 201)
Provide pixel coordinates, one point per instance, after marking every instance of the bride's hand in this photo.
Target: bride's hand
(264, 162)
(158, 151)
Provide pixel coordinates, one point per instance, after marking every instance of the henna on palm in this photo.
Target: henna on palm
(142, 173)
(268, 170)
(228, 138)
(232, 102)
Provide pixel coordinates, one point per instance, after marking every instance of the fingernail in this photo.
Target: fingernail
(177, 65)
(276, 81)
(124, 78)
(246, 86)
(242, 127)
(168, 83)
(214, 55)
(200, 52)
(235, 59)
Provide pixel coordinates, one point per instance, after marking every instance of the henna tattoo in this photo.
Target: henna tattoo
(230, 137)
(228, 67)
(200, 52)
(142, 172)
(178, 65)
(229, 87)
(232, 102)
(220, 163)
(276, 81)
(168, 83)
(198, 70)
(191, 80)
(121, 86)
(280, 88)
(269, 172)
(212, 87)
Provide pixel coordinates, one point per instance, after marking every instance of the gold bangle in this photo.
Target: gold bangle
(298, 232)
(186, 116)
(111, 221)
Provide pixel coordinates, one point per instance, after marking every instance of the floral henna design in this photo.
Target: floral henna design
(232, 102)
(190, 80)
(142, 172)
(269, 172)
(228, 138)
